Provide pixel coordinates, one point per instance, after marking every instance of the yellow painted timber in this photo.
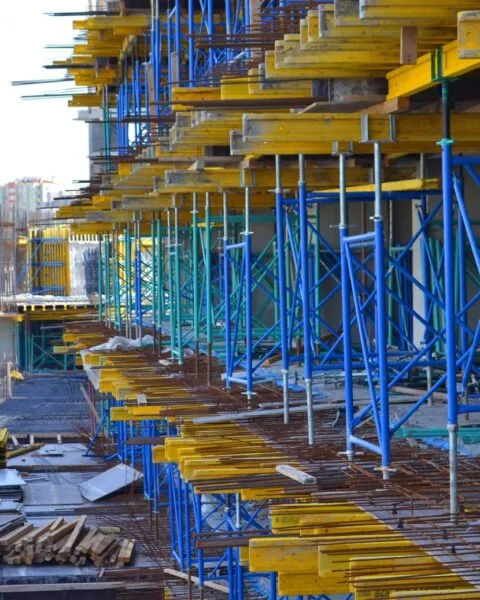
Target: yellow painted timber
(182, 96)
(414, 563)
(340, 524)
(211, 179)
(409, 582)
(274, 70)
(302, 583)
(85, 100)
(340, 127)
(132, 22)
(288, 518)
(409, 80)
(452, 594)
(469, 34)
(283, 554)
(406, 185)
(158, 454)
(121, 413)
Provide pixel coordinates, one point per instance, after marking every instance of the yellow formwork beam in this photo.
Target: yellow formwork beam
(182, 96)
(302, 583)
(279, 70)
(340, 524)
(241, 147)
(409, 80)
(211, 179)
(409, 581)
(85, 100)
(322, 23)
(446, 594)
(132, 23)
(339, 127)
(469, 34)
(412, 13)
(286, 519)
(405, 185)
(412, 567)
(283, 554)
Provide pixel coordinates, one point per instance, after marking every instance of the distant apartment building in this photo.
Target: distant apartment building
(21, 200)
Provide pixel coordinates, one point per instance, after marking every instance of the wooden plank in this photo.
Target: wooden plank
(408, 45)
(99, 547)
(106, 529)
(33, 536)
(397, 105)
(296, 474)
(127, 549)
(208, 584)
(86, 542)
(74, 536)
(56, 535)
(14, 535)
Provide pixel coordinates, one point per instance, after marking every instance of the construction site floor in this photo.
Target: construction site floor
(46, 403)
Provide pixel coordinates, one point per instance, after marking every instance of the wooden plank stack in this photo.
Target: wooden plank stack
(60, 541)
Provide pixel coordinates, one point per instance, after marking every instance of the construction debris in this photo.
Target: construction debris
(61, 542)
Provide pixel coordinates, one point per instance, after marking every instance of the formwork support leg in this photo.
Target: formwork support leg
(282, 286)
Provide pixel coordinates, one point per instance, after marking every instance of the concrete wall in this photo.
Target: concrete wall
(8, 341)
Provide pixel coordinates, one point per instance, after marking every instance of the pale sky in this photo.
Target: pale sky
(38, 137)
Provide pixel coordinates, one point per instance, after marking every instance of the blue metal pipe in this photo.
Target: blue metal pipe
(302, 207)
(248, 295)
(282, 287)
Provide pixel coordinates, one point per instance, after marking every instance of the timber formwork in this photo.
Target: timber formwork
(274, 213)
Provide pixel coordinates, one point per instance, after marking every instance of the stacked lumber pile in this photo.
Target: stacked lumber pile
(62, 542)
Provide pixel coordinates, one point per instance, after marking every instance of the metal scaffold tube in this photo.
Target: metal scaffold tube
(208, 287)
(248, 297)
(282, 286)
(381, 320)
(347, 342)
(196, 282)
(450, 315)
(226, 288)
(307, 350)
(178, 294)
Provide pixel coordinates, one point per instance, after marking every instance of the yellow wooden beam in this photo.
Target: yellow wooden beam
(409, 80)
